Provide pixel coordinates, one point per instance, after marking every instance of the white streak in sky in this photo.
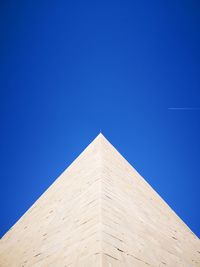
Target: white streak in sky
(185, 108)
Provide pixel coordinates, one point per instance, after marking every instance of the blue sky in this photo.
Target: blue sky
(71, 68)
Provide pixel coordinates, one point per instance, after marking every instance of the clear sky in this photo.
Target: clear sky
(71, 68)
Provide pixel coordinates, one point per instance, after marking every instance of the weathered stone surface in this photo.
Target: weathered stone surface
(100, 212)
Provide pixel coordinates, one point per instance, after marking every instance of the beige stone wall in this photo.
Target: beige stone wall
(138, 227)
(100, 212)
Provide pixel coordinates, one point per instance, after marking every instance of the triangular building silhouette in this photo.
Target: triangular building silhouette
(100, 213)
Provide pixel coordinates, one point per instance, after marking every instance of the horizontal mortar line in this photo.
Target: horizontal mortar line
(120, 202)
(113, 236)
(110, 256)
(138, 259)
(113, 213)
(112, 246)
(119, 211)
(80, 202)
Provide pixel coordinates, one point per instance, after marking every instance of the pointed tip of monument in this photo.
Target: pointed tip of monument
(100, 139)
(100, 135)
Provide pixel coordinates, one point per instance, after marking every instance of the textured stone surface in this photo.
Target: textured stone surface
(100, 212)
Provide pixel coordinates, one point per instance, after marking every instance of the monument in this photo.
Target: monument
(100, 212)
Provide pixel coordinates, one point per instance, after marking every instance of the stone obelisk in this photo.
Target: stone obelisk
(100, 212)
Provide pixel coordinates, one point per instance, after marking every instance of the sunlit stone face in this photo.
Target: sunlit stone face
(100, 212)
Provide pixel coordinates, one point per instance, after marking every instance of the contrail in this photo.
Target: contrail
(185, 108)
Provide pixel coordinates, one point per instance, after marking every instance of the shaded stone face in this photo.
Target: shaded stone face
(100, 212)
